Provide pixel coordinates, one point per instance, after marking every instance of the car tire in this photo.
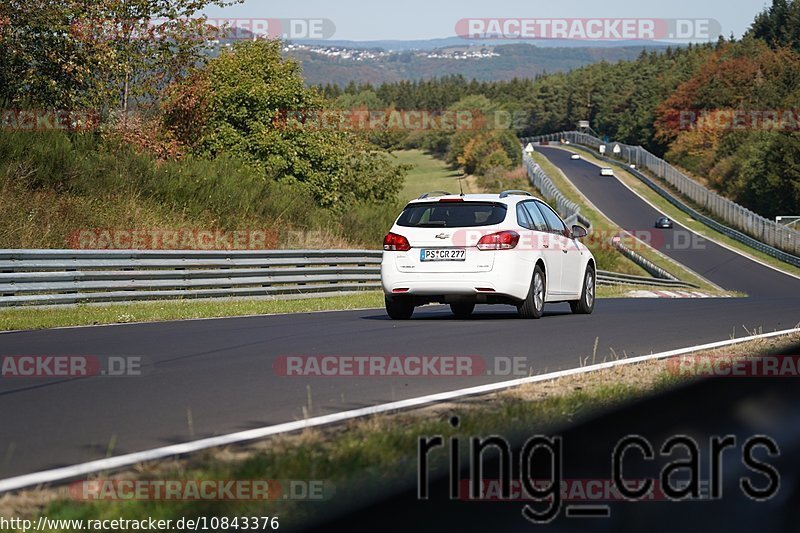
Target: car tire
(462, 310)
(585, 306)
(399, 308)
(533, 305)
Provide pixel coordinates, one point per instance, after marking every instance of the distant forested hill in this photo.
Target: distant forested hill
(513, 61)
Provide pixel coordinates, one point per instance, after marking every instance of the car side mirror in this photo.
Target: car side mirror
(579, 232)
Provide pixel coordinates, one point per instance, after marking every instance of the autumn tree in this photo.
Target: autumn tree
(253, 103)
(110, 55)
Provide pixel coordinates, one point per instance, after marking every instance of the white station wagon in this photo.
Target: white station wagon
(463, 250)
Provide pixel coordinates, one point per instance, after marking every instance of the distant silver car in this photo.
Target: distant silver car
(664, 223)
(606, 171)
(575, 157)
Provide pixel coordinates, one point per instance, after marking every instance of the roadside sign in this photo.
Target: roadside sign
(617, 149)
(603, 149)
(529, 148)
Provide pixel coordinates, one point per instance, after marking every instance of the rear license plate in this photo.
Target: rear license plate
(443, 255)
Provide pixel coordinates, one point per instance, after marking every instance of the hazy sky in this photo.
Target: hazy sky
(426, 19)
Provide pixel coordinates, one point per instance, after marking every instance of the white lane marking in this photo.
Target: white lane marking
(122, 461)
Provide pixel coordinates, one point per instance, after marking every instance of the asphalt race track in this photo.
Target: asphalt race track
(220, 374)
(716, 263)
(222, 370)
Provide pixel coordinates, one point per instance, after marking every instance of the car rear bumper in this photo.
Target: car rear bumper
(509, 280)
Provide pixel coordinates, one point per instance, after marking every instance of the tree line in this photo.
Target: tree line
(727, 111)
(724, 111)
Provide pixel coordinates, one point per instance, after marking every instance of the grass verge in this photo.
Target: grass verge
(366, 457)
(29, 318)
(35, 318)
(427, 174)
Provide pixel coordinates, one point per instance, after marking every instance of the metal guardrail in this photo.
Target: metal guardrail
(649, 266)
(58, 277)
(53, 277)
(757, 232)
(539, 179)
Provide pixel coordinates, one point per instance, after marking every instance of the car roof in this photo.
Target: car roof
(496, 198)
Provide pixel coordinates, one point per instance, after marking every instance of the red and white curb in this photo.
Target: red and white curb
(671, 294)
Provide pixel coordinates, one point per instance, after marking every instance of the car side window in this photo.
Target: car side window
(539, 223)
(522, 217)
(554, 222)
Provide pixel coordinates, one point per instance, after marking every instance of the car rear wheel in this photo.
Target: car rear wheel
(399, 308)
(585, 305)
(533, 305)
(462, 310)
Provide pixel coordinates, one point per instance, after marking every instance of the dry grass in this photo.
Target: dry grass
(43, 218)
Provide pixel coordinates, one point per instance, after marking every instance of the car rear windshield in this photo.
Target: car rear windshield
(452, 215)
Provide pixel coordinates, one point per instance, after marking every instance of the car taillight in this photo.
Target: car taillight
(505, 240)
(396, 243)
